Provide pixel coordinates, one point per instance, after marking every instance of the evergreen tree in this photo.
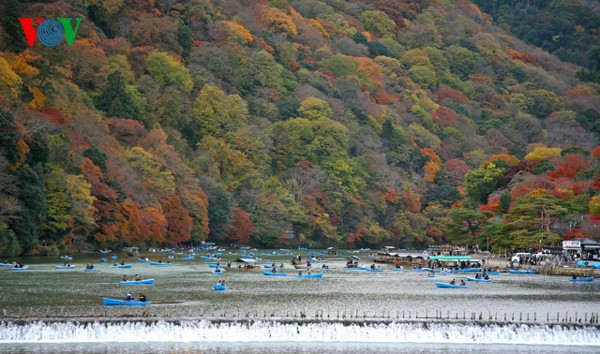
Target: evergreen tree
(114, 100)
(13, 38)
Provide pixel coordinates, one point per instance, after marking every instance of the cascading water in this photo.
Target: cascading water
(272, 331)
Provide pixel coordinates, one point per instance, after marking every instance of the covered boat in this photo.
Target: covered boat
(450, 286)
(138, 282)
(119, 302)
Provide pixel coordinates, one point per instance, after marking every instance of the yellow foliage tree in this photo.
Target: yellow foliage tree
(542, 152)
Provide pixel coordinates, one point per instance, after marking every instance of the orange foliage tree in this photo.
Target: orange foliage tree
(242, 226)
(179, 222)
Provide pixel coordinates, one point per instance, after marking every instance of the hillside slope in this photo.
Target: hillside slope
(285, 123)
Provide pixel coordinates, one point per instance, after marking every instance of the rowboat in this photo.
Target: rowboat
(221, 287)
(188, 258)
(581, 280)
(357, 268)
(521, 271)
(450, 286)
(300, 266)
(274, 274)
(309, 276)
(118, 302)
(376, 270)
(161, 264)
(20, 268)
(479, 280)
(66, 258)
(65, 267)
(209, 258)
(248, 268)
(143, 260)
(218, 271)
(495, 272)
(431, 276)
(138, 282)
(113, 257)
(270, 266)
(90, 270)
(121, 266)
(6, 264)
(103, 260)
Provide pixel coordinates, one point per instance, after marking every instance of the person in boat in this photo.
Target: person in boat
(114, 264)
(122, 262)
(462, 282)
(300, 272)
(453, 281)
(229, 264)
(143, 297)
(478, 276)
(486, 276)
(128, 297)
(574, 277)
(281, 266)
(325, 266)
(373, 266)
(308, 263)
(137, 277)
(308, 271)
(431, 273)
(273, 270)
(160, 261)
(124, 278)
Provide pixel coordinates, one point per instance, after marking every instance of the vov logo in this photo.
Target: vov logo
(50, 32)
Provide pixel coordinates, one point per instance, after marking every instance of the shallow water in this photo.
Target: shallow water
(184, 290)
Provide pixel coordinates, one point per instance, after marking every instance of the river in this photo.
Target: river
(400, 312)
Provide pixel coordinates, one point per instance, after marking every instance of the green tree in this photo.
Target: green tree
(166, 70)
(466, 224)
(379, 23)
(115, 101)
(31, 192)
(57, 218)
(314, 108)
(479, 183)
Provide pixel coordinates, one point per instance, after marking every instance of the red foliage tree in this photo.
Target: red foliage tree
(179, 222)
(451, 94)
(444, 116)
(242, 226)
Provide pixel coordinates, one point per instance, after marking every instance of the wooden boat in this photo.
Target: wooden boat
(138, 282)
(118, 302)
(450, 286)
(297, 262)
(65, 267)
(20, 268)
(299, 266)
(274, 274)
(521, 271)
(162, 264)
(90, 270)
(581, 280)
(309, 276)
(121, 266)
(220, 287)
(246, 268)
(479, 280)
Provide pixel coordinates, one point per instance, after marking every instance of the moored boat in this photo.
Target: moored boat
(138, 282)
(522, 271)
(117, 302)
(143, 260)
(450, 286)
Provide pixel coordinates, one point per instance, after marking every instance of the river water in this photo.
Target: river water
(400, 312)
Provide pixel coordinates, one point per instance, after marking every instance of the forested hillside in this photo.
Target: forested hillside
(284, 123)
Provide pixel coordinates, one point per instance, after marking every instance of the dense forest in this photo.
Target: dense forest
(280, 123)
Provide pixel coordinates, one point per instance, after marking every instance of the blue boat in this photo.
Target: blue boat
(521, 271)
(65, 267)
(188, 258)
(121, 266)
(431, 276)
(376, 270)
(270, 266)
(118, 302)
(213, 265)
(143, 260)
(309, 276)
(20, 268)
(274, 274)
(105, 251)
(495, 272)
(218, 271)
(220, 287)
(113, 257)
(450, 286)
(357, 268)
(209, 258)
(66, 258)
(6, 264)
(479, 280)
(161, 264)
(90, 270)
(582, 280)
(138, 282)
(103, 260)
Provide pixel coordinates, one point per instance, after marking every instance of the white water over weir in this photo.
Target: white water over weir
(246, 331)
